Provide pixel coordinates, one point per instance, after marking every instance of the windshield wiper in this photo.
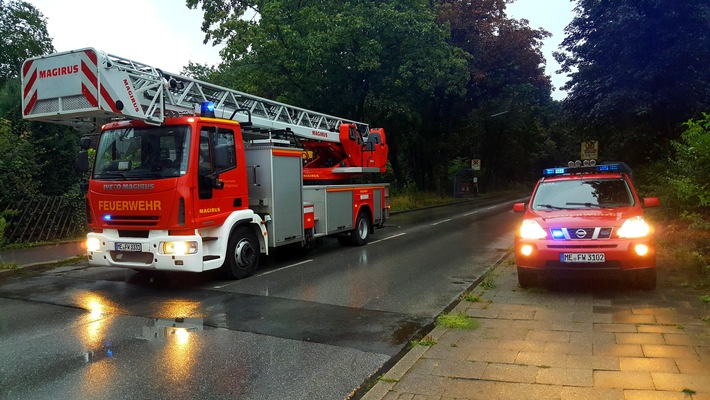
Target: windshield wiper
(550, 206)
(116, 176)
(589, 205)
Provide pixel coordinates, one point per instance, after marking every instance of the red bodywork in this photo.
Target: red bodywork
(352, 157)
(587, 235)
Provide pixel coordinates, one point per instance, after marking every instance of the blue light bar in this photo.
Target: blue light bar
(600, 168)
(557, 233)
(107, 217)
(207, 109)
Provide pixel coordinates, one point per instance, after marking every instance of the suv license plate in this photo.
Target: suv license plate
(582, 257)
(128, 247)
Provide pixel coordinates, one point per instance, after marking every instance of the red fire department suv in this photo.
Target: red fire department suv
(586, 220)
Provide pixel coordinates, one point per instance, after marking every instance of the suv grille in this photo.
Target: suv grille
(598, 233)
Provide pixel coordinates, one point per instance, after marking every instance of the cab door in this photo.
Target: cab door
(221, 176)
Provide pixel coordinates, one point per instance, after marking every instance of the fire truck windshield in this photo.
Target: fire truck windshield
(142, 153)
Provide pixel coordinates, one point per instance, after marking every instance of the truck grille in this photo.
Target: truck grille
(133, 220)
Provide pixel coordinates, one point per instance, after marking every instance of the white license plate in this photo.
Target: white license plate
(128, 247)
(582, 257)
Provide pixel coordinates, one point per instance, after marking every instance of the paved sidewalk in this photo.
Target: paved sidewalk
(39, 255)
(561, 344)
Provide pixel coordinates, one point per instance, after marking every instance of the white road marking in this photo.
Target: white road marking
(441, 222)
(387, 238)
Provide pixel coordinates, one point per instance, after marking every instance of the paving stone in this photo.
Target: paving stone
(592, 362)
(654, 395)
(614, 328)
(623, 380)
(459, 369)
(639, 338)
(492, 355)
(666, 381)
(568, 348)
(633, 319)
(692, 366)
(510, 373)
(594, 338)
(665, 351)
(648, 364)
(618, 350)
(658, 328)
(541, 359)
(565, 376)
(501, 390)
(583, 393)
(548, 336)
(422, 384)
(677, 339)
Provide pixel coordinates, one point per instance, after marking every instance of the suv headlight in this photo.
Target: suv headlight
(531, 229)
(635, 227)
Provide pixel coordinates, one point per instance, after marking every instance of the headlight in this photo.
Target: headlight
(93, 244)
(180, 248)
(532, 230)
(634, 227)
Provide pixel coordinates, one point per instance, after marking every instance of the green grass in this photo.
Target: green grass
(390, 380)
(427, 341)
(5, 265)
(456, 321)
(705, 299)
(471, 298)
(688, 392)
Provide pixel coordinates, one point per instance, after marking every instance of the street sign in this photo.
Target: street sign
(476, 164)
(590, 150)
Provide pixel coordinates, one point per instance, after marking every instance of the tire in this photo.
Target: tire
(527, 277)
(242, 254)
(646, 279)
(363, 226)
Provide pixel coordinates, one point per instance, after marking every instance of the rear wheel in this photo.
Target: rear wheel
(361, 233)
(527, 277)
(242, 254)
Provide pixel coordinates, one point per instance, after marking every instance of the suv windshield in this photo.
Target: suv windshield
(142, 153)
(575, 194)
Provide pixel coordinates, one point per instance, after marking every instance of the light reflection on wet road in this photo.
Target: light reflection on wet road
(309, 325)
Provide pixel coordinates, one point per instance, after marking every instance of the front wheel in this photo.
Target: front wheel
(527, 277)
(242, 254)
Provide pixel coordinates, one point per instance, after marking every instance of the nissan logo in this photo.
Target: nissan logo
(581, 233)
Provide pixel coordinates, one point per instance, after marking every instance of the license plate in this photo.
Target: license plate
(128, 247)
(582, 257)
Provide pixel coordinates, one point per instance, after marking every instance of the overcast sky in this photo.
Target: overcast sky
(166, 34)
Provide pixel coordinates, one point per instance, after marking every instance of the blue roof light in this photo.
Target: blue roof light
(207, 109)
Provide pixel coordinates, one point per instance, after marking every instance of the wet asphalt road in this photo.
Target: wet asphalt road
(308, 325)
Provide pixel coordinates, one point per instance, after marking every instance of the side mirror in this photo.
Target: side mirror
(651, 202)
(85, 143)
(213, 180)
(519, 207)
(82, 161)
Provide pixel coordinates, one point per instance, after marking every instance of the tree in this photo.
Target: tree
(639, 69)
(23, 31)
(384, 62)
(508, 107)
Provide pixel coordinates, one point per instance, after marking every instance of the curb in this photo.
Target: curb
(387, 377)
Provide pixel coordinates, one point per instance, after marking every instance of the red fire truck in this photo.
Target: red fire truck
(189, 176)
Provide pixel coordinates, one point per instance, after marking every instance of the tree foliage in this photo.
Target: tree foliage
(425, 70)
(23, 33)
(638, 68)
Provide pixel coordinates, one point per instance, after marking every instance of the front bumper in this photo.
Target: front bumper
(150, 256)
(619, 254)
